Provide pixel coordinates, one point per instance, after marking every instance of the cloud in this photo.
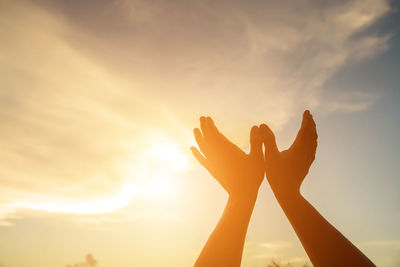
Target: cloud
(276, 245)
(351, 101)
(383, 252)
(271, 56)
(87, 87)
(393, 244)
(60, 121)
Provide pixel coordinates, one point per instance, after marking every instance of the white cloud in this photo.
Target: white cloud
(79, 96)
(276, 245)
(351, 101)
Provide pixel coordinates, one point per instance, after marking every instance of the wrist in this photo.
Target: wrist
(244, 199)
(287, 195)
(290, 200)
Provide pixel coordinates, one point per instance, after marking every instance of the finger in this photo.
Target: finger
(201, 142)
(255, 142)
(203, 126)
(314, 129)
(268, 138)
(211, 131)
(200, 158)
(211, 126)
(311, 129)
(312, 120)
(314, 135)
(306, 115)
(307, 120)
(312, 138)
(304, 133)
(214, 136)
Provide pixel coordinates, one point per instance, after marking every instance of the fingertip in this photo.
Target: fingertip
(194, 150)
(265, 131)
(306, 118)
(263, 127)
(209, 121)
(312, 121)
(211, 126)
(268, 138)
(253, 130)
(255, 135)
(203, 123)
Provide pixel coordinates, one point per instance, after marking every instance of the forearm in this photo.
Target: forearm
(225, 245)
(324, 245)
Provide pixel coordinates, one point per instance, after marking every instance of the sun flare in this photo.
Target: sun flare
(163, 161)
(151, 175)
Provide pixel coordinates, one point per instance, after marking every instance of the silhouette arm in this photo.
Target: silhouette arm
(241, 175)
(224, 247)
(324, 244)
(285, 171)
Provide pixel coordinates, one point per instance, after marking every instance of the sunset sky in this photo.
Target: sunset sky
(98, 100)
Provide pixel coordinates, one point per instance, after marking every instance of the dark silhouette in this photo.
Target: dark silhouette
(286, 170)
(241, 175)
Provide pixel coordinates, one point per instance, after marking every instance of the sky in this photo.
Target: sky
(98, 100)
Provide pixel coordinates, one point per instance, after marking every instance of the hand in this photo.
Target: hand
(238, 173)
(286, 170)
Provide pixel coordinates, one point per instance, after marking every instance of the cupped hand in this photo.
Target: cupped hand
(287, 169)
(240, 174)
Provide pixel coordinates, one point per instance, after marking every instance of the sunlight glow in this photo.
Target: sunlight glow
(151, 177)
(162, 163)
(94, 206)
(167, 154)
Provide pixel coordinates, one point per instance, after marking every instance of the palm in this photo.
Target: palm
(286, 170)
(237, 172)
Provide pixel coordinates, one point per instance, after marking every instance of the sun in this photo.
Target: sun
(151, 175)
(167, 154)
(164, 161)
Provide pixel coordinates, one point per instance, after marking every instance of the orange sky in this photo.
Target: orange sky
(99, 100)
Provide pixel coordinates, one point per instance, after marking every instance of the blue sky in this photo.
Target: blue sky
(95, 95)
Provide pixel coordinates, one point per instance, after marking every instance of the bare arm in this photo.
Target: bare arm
(286, 170)
(240, 175)
(224, 247)
(324, 244)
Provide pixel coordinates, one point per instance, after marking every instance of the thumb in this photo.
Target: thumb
(255, 142)
(268, 138)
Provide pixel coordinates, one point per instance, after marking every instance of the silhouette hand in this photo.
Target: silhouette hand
(240, 174)
(286, 170)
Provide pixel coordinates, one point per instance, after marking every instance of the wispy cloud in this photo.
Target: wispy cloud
(393, 244)
(351, 101)
(84, 94)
